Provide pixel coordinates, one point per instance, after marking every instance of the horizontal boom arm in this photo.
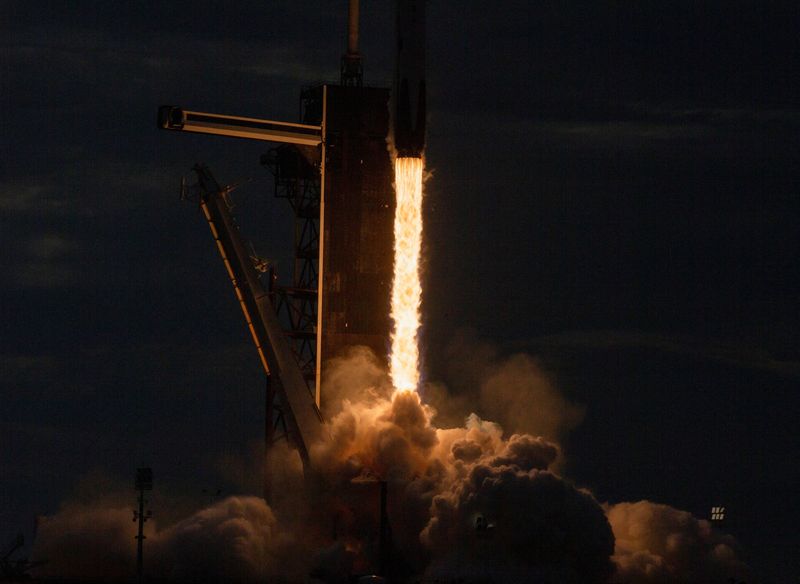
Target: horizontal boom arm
(172, 117)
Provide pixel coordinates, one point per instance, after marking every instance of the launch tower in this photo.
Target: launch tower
(334, 168)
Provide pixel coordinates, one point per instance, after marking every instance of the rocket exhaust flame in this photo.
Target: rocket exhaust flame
(406, 288)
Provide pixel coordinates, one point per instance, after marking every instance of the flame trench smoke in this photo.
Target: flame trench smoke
(475, 503)
(406, 288)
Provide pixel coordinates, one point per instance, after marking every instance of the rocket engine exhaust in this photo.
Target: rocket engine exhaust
(406, 287)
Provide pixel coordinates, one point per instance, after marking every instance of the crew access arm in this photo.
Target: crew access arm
(304, 419)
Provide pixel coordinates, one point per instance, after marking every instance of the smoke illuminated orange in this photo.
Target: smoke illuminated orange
(406, 288)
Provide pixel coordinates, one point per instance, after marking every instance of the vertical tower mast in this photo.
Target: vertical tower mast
(352, 74)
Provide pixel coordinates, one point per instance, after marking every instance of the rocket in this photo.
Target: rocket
(408, 93)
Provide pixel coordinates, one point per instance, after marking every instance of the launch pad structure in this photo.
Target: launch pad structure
(341, 194)
(342, 197)
(334, 168)
(343, 207)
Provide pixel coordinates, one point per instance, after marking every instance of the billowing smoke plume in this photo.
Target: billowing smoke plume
(237, 539)
(234, 540)
(475, 506)
(657, 544)
(358, 376)
(470, 503)
(92, 542)
(515, 392)
(508, 519)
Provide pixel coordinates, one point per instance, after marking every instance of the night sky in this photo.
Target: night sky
(614, 191)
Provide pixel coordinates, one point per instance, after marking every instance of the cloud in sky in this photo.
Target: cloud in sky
(47, 260)
(736, 354)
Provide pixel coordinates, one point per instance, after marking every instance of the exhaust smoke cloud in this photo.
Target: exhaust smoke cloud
(660, 544)
(469, 503)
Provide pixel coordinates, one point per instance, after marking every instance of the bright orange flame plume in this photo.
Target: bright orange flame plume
(406, 288)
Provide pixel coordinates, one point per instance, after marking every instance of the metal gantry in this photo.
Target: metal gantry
(297, 180)
(288, 413)
(291, 410)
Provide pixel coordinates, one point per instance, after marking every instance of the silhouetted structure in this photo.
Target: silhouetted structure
(144, 482)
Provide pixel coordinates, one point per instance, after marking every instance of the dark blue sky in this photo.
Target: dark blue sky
(615, 190)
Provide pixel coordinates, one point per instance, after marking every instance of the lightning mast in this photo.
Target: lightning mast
(144, 482)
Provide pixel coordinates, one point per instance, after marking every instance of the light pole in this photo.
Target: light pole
(144, 482)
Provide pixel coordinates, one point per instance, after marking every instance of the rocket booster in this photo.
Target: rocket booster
(408, 93)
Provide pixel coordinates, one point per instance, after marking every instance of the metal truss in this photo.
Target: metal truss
(298, 181)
